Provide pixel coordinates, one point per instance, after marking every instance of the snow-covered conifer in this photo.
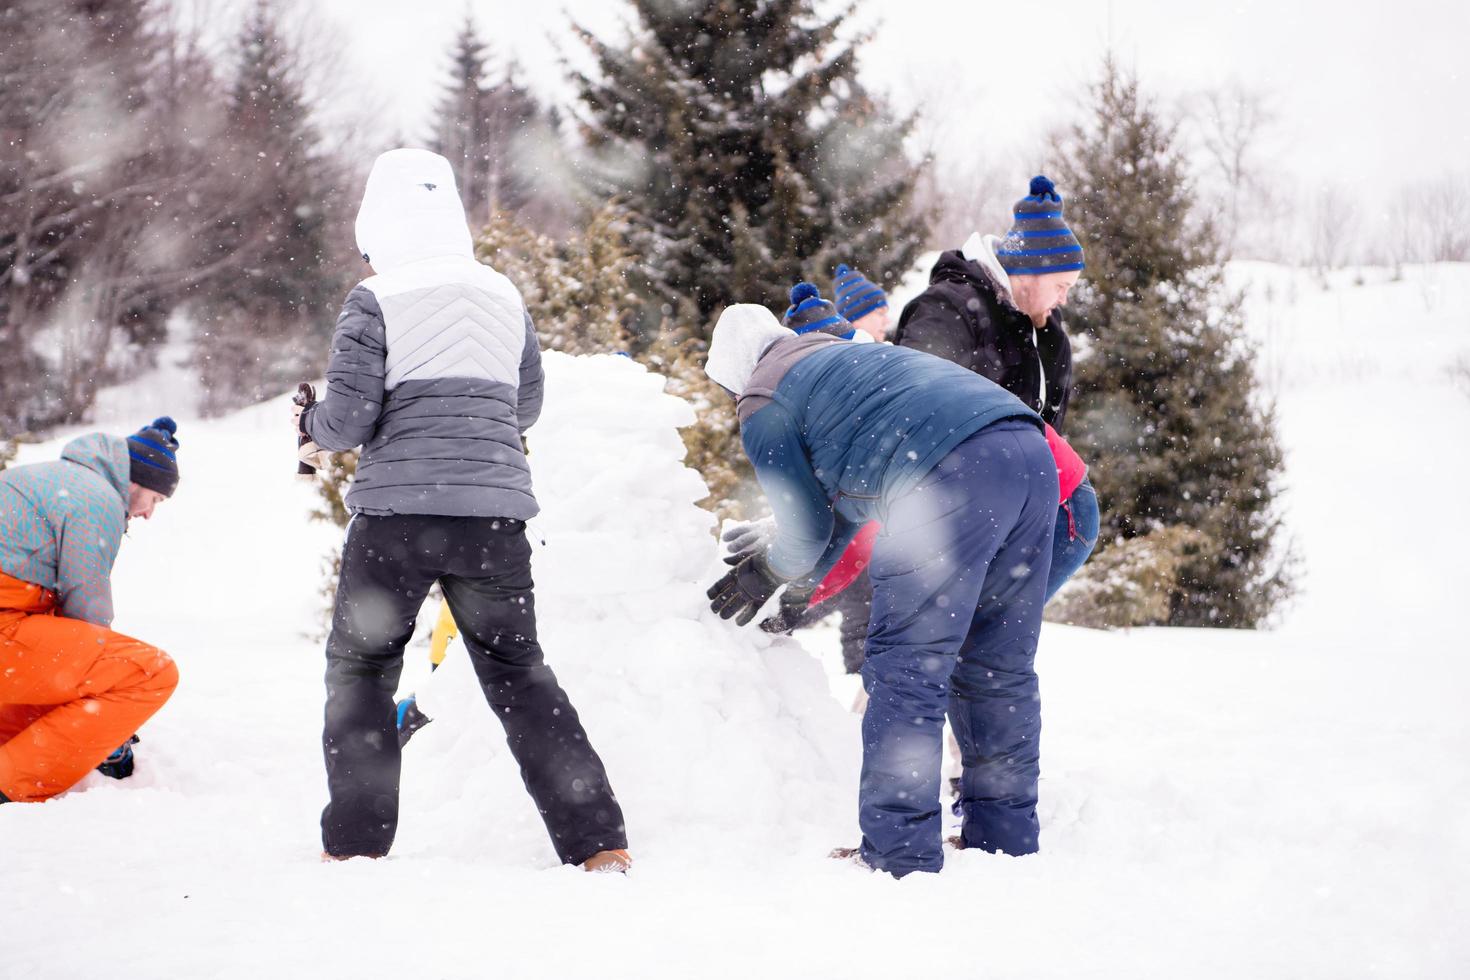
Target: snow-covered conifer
(497, 135)
(1169, 412)
(746, 154)
(266, 324)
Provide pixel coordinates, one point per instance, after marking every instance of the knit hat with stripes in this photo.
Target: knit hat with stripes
(856, 295)
(1040, 241)
(151, 450)
(809, 312)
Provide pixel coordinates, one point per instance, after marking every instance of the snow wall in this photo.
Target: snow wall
(712, 735)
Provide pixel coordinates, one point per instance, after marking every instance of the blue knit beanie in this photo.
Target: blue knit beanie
(151, 450)
(1040, 241)
(856, 294)
(809, 312)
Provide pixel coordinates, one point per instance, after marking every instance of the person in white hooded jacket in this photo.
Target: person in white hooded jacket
(436, 371)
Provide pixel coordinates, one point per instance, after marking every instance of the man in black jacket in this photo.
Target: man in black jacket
(994, 306)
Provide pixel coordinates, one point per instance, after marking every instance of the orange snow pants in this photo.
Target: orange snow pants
(70, 692)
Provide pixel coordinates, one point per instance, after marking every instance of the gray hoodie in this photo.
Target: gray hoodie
(435, 368)
(61, 524)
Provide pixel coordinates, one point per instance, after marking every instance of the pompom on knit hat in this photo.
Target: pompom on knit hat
(810, 312)
(151, 452)
(1040, 241)
(856, 295)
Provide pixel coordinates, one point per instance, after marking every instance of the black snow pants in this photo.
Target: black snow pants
(855, 603)
(484, 567)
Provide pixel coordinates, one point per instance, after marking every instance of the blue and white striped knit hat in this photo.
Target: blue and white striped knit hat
(151, 451)
(810, 312)
(1040, 241)
(856, 295)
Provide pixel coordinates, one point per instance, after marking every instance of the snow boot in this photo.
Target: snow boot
(119, 765)
(327, 858)
(852, 855)
(608, 862)
(409, 719)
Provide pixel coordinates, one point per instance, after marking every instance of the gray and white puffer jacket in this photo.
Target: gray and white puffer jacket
(435, 369)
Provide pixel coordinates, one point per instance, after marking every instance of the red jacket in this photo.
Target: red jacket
(1071, 471)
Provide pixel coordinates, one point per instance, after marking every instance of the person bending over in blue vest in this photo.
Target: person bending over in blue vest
(958, 472)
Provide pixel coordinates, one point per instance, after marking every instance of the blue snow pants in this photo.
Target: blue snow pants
(959, 581)
(1075, 537)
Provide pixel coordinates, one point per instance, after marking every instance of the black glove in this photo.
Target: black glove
(793, 607)
(119, 765)
(744, 540)
(744, 589)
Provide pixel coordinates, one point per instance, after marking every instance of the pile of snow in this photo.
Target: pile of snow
(710, 736)
(1214, 804)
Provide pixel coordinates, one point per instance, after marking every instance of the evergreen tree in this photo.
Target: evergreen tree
(575, 288)
(492, 133)
(268, 324)
(751, 155)
(515, 121)
(461, 127)
(1168, 411)
(106, 116)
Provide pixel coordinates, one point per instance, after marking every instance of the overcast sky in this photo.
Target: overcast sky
(1368, 95)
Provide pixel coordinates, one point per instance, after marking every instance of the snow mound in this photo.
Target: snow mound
(1213, 803)
(709, 732)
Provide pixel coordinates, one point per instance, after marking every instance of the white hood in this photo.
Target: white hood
(411, 211)
(741, 336)
(981, 249)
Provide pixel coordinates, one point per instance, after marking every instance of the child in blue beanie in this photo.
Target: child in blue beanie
(861, 303)
(810, 313)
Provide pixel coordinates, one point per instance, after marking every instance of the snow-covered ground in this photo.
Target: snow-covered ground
(1289, 803)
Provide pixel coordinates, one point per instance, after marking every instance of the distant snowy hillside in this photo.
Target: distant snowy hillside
(1214, 804)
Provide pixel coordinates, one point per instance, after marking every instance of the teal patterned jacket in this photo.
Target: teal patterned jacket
(61, 524)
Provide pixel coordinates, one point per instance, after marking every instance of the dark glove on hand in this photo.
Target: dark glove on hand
(744, 589)
(119, 765)
(744, 540)
(793, 607)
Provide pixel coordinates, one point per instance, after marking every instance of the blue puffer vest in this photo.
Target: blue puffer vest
(846, 428)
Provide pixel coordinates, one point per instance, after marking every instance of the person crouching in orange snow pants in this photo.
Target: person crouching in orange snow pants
(71, 689)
